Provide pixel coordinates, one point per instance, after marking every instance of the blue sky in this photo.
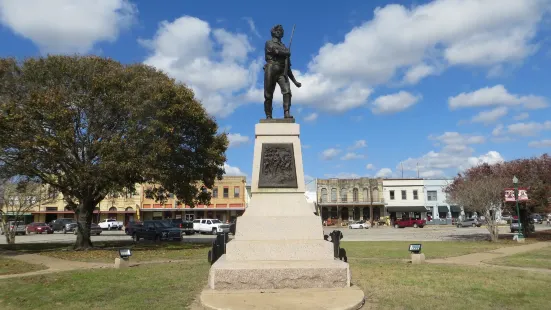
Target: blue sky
(435, 85)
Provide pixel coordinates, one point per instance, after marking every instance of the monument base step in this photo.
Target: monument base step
(247, 250)
(349, 298)
(245, 275)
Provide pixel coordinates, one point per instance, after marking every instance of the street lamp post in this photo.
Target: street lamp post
(520, 235)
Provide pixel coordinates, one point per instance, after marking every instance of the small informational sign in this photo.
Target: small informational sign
(415, 248)
(510, 194)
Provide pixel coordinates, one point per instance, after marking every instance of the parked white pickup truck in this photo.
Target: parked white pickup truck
(212, 226)
(110, 224)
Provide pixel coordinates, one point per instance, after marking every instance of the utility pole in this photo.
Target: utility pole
(402, 167)
(371, 201)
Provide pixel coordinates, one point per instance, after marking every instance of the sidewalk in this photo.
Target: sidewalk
(52, 264)
(479, 259)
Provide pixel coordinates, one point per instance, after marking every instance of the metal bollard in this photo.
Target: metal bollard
(218, 247)
(336, 236)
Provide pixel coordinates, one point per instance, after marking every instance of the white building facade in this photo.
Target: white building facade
(439, 209)
(405, 198)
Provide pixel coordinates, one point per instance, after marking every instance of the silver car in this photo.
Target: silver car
(19, 228)
(469, 223)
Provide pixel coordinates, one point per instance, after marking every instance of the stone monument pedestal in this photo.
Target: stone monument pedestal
(279, 242)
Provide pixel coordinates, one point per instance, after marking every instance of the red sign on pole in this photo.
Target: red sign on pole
(510, 194)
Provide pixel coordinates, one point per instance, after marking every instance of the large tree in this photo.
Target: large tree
(89, 126)
(533, 174)
(481, 193)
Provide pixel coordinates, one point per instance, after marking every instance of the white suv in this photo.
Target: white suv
(212, 226)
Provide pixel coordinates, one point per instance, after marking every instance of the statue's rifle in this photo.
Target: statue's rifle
(286, 70)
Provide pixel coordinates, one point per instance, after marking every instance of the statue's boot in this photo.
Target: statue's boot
(268, 108)
(287, 106)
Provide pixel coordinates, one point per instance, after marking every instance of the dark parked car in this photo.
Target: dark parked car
(131, 227)
(38, 228)
(65, 225)
(94, 229)
(514, 226)
(536, 219)
(156, 230)
(185, 226)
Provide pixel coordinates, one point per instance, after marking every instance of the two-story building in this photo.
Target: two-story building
(122, 207)
(228, 201)
(404, 198)
(350, 199)
(438, 207)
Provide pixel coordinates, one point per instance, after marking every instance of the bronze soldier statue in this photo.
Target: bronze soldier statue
(275, 71)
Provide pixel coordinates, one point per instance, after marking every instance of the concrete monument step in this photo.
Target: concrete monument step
(275, 250)
(243, 275)
(279, 228)
(349, 298)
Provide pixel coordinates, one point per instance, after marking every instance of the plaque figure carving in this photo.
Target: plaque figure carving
(277, 166)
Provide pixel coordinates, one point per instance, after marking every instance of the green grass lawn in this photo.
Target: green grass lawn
(140, 252)
(12, 266)
(432, 249)
(106, 252)
(393, 285)
(388, 284)
(156, 286)
(535, 259)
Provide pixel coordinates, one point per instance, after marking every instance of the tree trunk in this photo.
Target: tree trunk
(371, 213)
(10, 236)
(84, 211)
(494, 231)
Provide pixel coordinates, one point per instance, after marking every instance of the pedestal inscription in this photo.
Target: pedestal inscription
(277, 166)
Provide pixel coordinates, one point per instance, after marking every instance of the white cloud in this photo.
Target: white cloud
(358, 145)
(343, 175)
(370, 167)
(252, 26)
(455, 138)
(454, 158)
(352, 155)
(383, 173)
(417, 73)
(431, 173)
(492, 157)
(540, 144)
(233, 171)
(237, 139)
(67, 26)
(398, 42)
(394, 103)
(213, 62)
(491, 116)
(495, 32)
(528, 129)
(455, 155)
(521, 116)
(311, 117)
(495, 96)
(498, 130)
(329, 154)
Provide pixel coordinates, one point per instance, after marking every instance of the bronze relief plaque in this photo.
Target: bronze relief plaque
(277, 166)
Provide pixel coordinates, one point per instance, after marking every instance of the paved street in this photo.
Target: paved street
(428, 233)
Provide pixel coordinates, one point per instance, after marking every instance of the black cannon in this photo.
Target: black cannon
(338, 252)
(218, 247)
